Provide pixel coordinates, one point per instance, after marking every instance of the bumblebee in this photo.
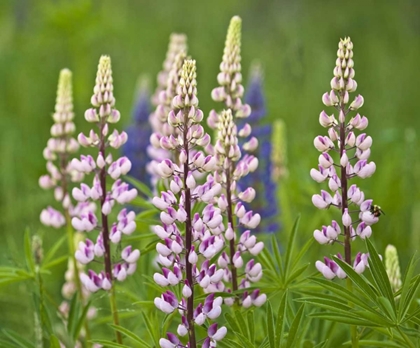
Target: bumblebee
(376, 210)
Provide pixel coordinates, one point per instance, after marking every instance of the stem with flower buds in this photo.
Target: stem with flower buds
(188, 239)
(105, 235)
(344, 202)
(231, 222)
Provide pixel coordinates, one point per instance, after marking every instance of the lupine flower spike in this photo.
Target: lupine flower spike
(352, 152)
(162, 99)
(138, 134)
(62, 175)
(233, 164)
(103, 114)
(59, 148)
(189, 241)
(266, 203)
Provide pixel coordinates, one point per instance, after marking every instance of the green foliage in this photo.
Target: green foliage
(370, 304)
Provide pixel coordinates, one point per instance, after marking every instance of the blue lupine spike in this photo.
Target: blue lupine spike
(266, 201)
(139, 133)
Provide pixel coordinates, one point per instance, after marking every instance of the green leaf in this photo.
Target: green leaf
(276, 249)
(380, 276)
(281, 316)
(241, 321)
(18, 339)
(296, 273)
(110, 344)
(270, 326)
(54, 342)
(357, 279)
(73, 315)
(28, 251)
(80, 322)
(290, 247)
(406, 294)
(350, 319)
(232, 343)
(302, 252)
(143, 188)
(53, 250)
(150, 329)
(294, 328)
(251, 326)
(387, 308)
(55, 262)
(344, 293)
(147, 214)
(131, 335)
(232, 323)
(375, 343)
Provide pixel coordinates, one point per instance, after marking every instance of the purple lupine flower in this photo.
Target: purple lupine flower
(261, 180)
(357, 213)
(138, 134)
(188, 241)
(103, 115)
(233, 164)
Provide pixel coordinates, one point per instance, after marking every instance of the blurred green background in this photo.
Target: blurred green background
(296, 43)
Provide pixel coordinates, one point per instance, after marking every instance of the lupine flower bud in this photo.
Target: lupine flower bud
(392, 267)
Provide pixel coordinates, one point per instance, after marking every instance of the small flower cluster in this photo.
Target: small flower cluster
(232, 166)
(343, 140)
(59, 147)
(189, 241)
(138, 136)
(266, 204)
(102, 115)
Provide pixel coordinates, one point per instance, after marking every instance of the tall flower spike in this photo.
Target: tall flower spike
(163, 100)
(357, 213)
(266, 203)
(59, 148)
(279, 153)
(139, 133)
(103, 114)
(233, 164)
(189, 241)
(61, 177)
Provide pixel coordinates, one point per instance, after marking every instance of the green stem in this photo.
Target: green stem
(114, 310)
(70, 237)
(353, 328)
